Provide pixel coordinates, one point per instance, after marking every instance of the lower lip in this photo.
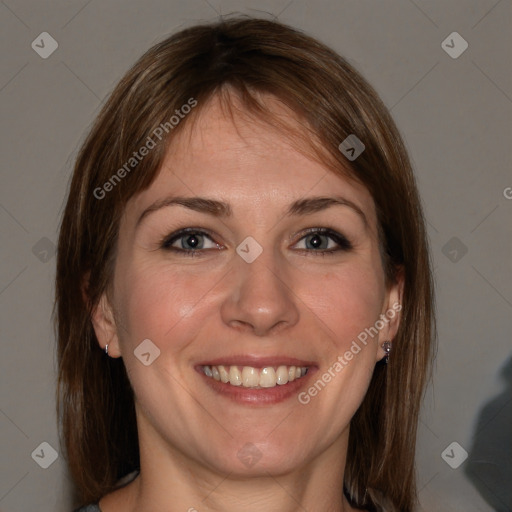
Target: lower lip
(263, 396)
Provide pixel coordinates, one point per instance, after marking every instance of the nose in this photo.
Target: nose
(260, 299)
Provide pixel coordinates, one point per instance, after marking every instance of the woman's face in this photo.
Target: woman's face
(257, 283)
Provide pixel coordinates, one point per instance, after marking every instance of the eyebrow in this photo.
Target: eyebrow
(217, 208)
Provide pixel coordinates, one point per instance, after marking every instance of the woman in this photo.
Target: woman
(243, 293)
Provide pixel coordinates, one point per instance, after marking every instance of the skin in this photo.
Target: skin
(290, 301)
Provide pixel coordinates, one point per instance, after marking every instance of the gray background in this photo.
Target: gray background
(456, 118)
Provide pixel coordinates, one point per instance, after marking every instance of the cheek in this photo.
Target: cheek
(343, 304)
(161, 304)
(346, 301)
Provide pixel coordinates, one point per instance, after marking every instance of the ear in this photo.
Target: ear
(391, 312)
(104, 324)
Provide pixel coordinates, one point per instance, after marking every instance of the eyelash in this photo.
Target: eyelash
(341, 240)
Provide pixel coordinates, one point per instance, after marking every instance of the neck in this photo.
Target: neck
(170, 480)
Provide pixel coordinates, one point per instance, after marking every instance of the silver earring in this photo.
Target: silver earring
(106, 349)
(386, 346)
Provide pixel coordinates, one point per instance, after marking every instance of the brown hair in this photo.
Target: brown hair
(95, 402)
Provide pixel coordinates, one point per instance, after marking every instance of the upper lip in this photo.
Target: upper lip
(257, 361)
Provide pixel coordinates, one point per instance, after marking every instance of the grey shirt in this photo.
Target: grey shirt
(89, 508)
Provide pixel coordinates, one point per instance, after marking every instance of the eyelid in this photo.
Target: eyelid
(344, 244)
(341, 240)
(176, 235)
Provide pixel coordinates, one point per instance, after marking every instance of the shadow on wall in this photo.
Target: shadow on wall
(489, 464)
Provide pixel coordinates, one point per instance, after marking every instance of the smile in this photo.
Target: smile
(255, 378)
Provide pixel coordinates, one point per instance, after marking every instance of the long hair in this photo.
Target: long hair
(249, 57)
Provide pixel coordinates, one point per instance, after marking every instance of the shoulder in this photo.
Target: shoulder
(93, 507)
(123, 482)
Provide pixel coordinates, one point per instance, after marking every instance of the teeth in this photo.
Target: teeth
(282, 375)
(224, 375)
(268, 377)
(249, 377)
(235, 377)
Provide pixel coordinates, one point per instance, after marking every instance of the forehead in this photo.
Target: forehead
(230, 153)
